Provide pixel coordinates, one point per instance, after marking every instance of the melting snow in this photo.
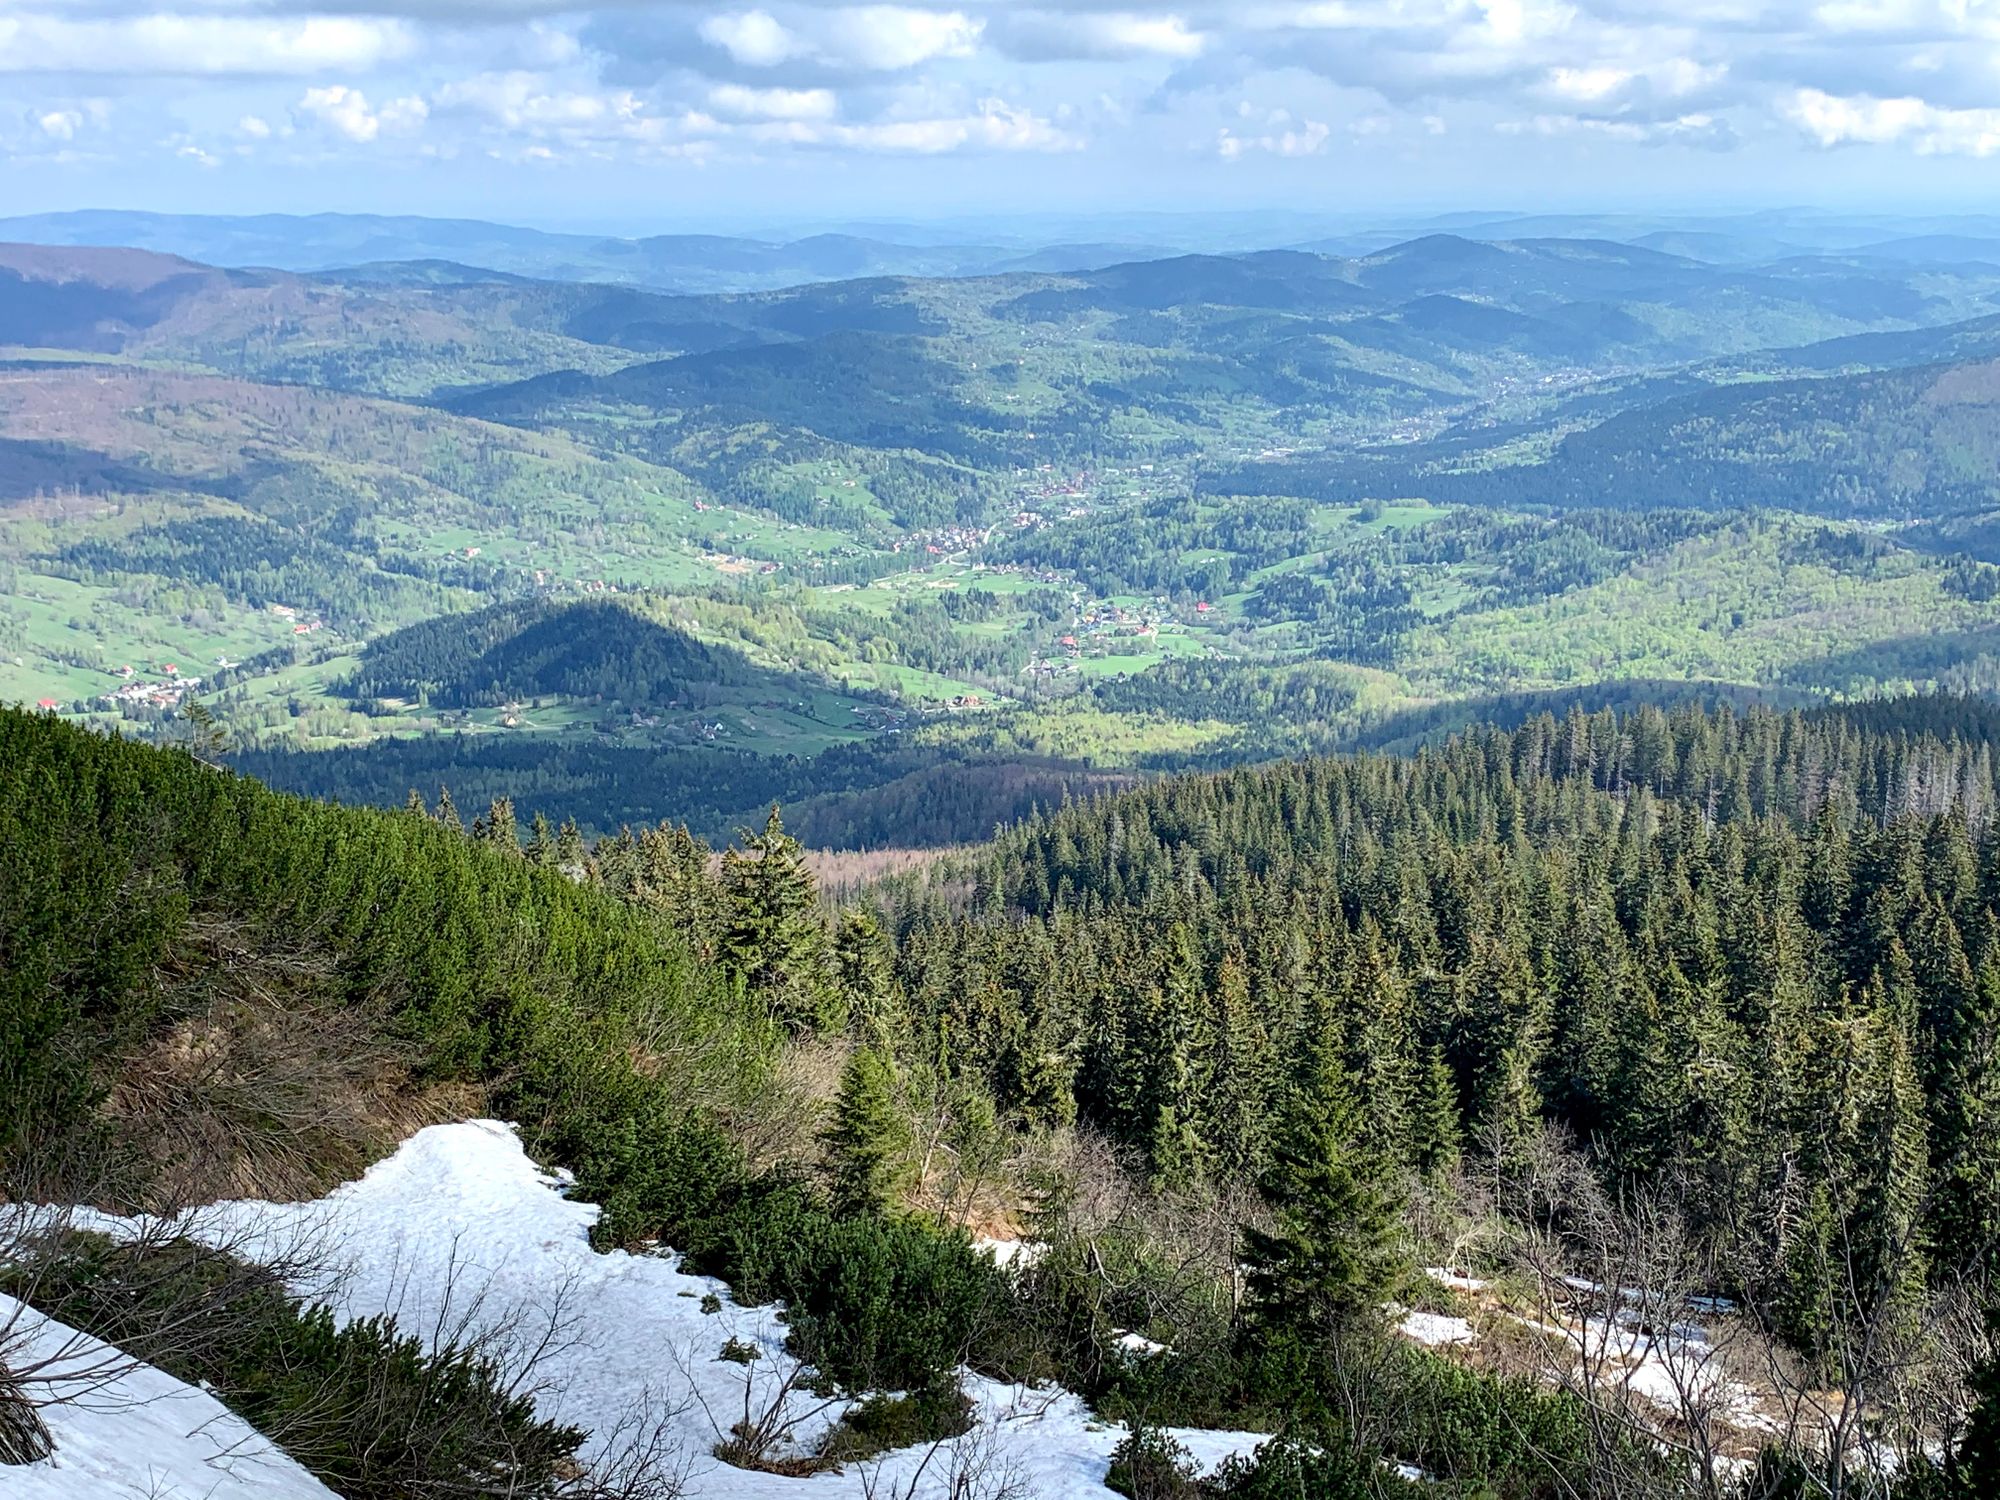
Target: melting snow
(459, 1232)
(1453, 1279)
(1010, 1253)
(1435, 1329)
(127, 1431)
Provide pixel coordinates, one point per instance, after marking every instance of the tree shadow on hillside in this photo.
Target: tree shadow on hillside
(32, 470)
(1910, 657)
(1408, 729)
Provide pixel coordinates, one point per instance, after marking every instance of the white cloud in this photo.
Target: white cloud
(530, 103)
(890, 38)
(1308, 140)
(346, 112)
(754, 38)
(1046, 35)
(742, 103)
(1159, 36)
(539, 80)
(869, 38)
(1909, 17)
(991, 125)
(1589, 84)
(202, 45)
(1601, 83)
(1864, 119)
(1694, 129)
(1345, 15)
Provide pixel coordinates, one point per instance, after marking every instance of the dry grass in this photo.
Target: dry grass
(843, 874)
(258, 1085)
(739, 1454)
(781, 1123)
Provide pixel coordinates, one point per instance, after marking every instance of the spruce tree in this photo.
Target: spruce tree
(867, 1143)
(541, 848)
(570, 856)
(498, 826)
(1336, 1251)
(864, 959)
(1434, 1126)
(773, 937)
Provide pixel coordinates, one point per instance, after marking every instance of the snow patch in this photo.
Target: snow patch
(1435, 1329)
(1452, 1279)
(460, 1233)
(1011, 1254)
(127, 1431)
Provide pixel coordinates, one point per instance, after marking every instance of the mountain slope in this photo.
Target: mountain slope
(126, 1431)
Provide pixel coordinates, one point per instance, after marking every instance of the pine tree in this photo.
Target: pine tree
(446, 813)
(1887, 1253)
(1434, 1127)
(1177, 1050)
(863, 958)
(1236, 1069)
(1961, 1032)
(570, 855)
(868, 1141)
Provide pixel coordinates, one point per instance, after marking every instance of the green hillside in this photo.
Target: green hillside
(1240, 1054)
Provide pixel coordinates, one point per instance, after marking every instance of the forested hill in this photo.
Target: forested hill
(595, 649)
(1869, 763)
(1722, 950)
(1701, 1006)
(1911, 443)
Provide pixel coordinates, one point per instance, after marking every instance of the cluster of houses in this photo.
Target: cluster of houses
(943, 541)
(165, 691)
(1047, 485)
(299, 627)
(880, 717)
(1104, 629)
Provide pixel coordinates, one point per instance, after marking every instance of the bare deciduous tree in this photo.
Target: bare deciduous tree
(972, 1466)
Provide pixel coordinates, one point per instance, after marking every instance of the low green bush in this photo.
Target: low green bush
(1149, 1465)
(884, 1422)
(362, 1406)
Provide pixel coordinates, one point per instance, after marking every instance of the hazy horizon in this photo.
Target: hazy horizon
(1247, 228)
(720, 111)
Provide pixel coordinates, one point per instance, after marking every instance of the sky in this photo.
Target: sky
(705, 113)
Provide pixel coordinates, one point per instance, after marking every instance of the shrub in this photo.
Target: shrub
(884, 1422)
(1149, 1465)
(1289, 1469)
(362, 1407)
(23, 1438)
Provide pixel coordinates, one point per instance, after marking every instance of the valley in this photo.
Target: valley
(1188, 511)
(1361, 866)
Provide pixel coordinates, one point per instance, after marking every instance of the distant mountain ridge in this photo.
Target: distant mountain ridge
(675, 262)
